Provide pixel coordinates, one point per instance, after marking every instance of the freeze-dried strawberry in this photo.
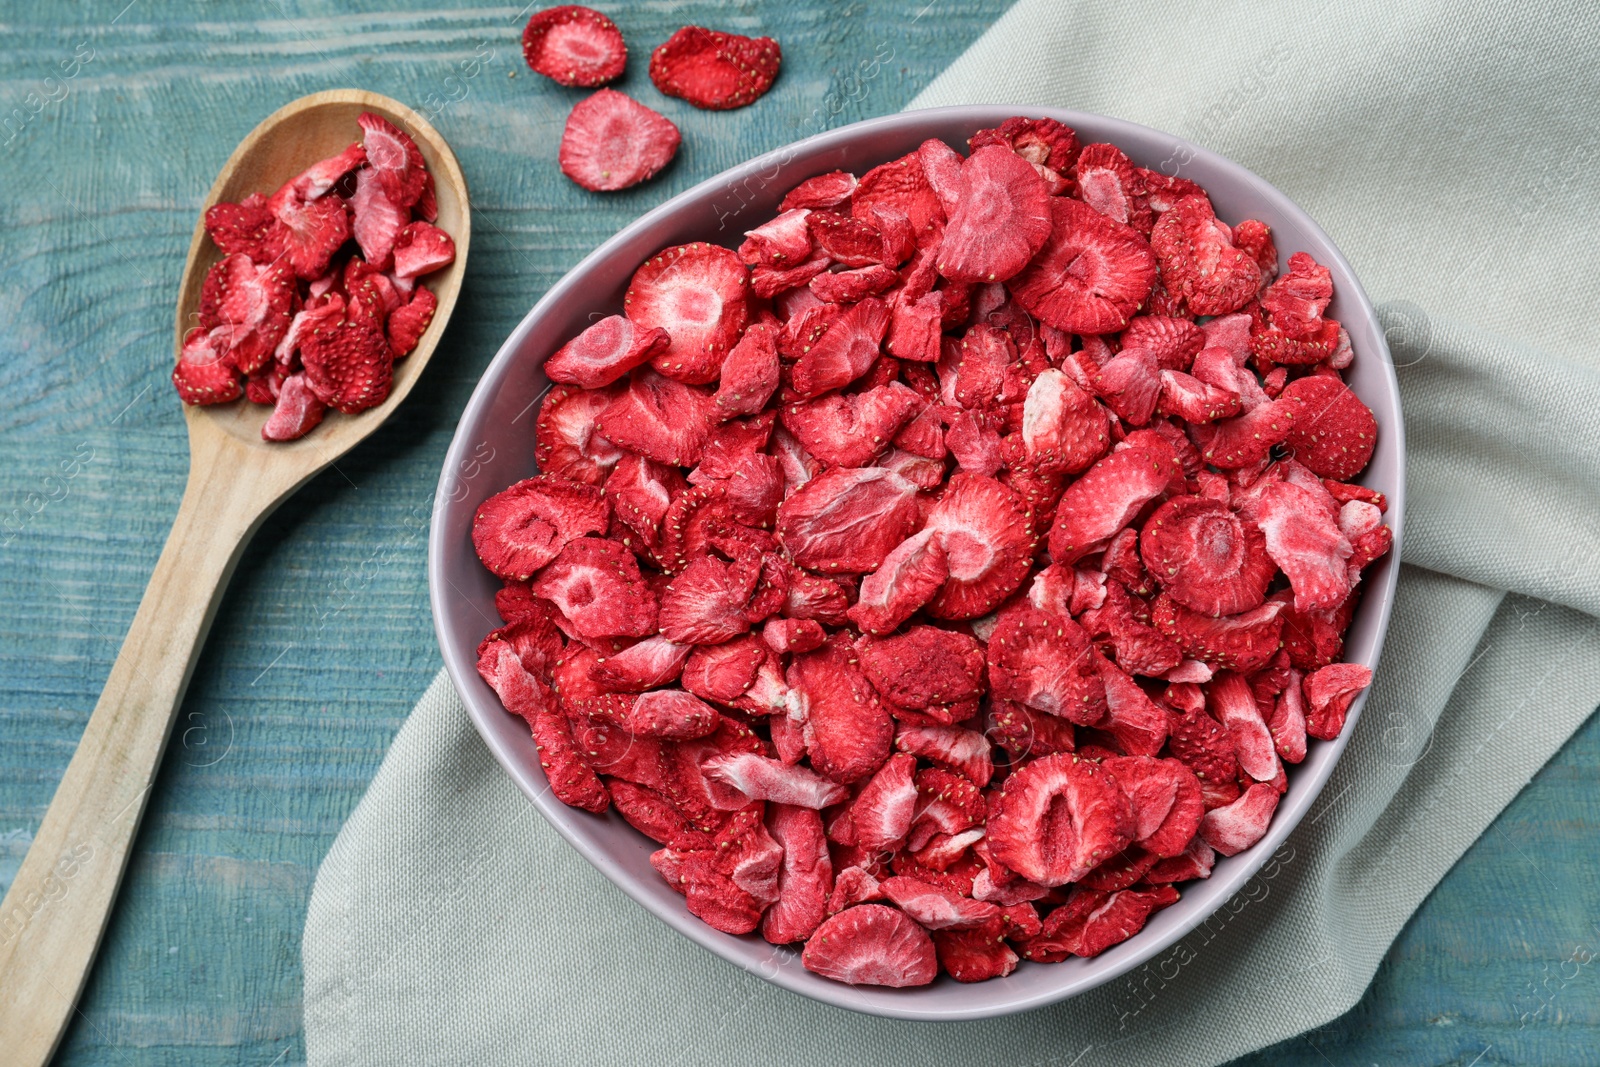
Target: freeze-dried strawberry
(394, 159)
(1121, 870)
(961, 750)
(1202, 744)
(205, 373)
(924, 666)
(853, 885)
(974, 444)
(1105, 499)
(241, 227)
(1173, 341)
(375, 221)
(976, 954)
(247, 307)
(571, 779)
(1091, 922)
(1198, 259)
(1130, 384)
(422, 248)
(1043, 141)
(871, 944)
(881, 813)
(1306, 542)
(958, 877)
(805, 882)
(699, 294)
(407, 323)
(941, 165)
(823, 191)
(724, 672)
(902, 187)
(653, 662)
(1045, 662)
(567, 437)
(782, 242)
(1106, 182)
(846, 240)
(1296, 301)
(604, 352)
(661, 418)
(1057, 818)
(297, 412)
(1240, 642)
(847, 287)
(1063, 428)
(757, 778)
(936, 908)
(1002, 217)
(1234, 705)
(597, 586)
(1195, 861)
(705, 603)
(1272, 345)
(348, 365)
(750, 372)
(1329, 692)
(522, 528)
(715, 70)
(708, 879)
(848, 519)
(1187, 397)
(1334, 432)
(1206, 557)
(1023, 732)
(1138, 723)
(670, 713)
(982, 527)
(1091, 275)
(848, 733)
(1255, 238)
(1287, 723)
(574, 46)
(648, 812)
(849, 429)
(1246, 439)
(909, 577)
(793, 635)
(845, 352)
(611, 142)
(1234, 827)
(1166, 798)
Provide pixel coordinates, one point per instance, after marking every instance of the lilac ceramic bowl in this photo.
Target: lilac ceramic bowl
(494, 447)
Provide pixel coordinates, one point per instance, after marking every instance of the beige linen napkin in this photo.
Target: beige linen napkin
(1452, 154)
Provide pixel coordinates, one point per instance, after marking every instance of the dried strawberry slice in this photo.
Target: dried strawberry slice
(1091, 275)
(1139, 647)
(1105, 500)
(611, 142)
(1058, 818)
(395, 160)
(661, 418)
(976, 954)
(901, 185)
(848, 430)
(1121, 870)
(757, 778)
(596, 585)
(1063, 428)
(1334, 432)
(848, 734)
(1247, 439)
(941, 165)
(567, 438)
(1137, 723)
(655, 661)
(1242, 642)
(670, 713)
(1198, 259)
(852, 885)
(1234, 827)
(964, 751)
(846, 240)
(1188, 398)
(1023, 732)
(988, 545)
(1305, 540)
(823, 191)
(872, 944)
(1001, 219)
(1130, 384)
(249, 304)
(520, 529)
(205, 372)
(705, 603)
(924, 666)
(296, 413)
(242, 227)
(348, 365)
(880, 815)
(1296, 301)
(604, 352)
(782, 242)
(1201, 743)
(724, 672)
(1043, 141)
(1206, 557)
(805, 881)
(937, 908)
(848, 519)
(750, 373)
(699, 294)
(407, 323)
(571, 779)
(574, 46)
(1234, 705)
(714, 70)
(1045, 662)
(422, 248)
(1329, 692)
(1288, 721)
(1091, 922)
(845, 352)
(911, 575)
(711, 878)
(1166, 798)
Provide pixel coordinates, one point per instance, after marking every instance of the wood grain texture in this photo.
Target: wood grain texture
(324, 641)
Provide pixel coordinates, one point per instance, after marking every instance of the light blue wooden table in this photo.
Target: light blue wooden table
(114, 116)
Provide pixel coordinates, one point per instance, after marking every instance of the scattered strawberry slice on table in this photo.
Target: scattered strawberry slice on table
(574, 45)
(945, 577)
(611, 141)
(715, 70)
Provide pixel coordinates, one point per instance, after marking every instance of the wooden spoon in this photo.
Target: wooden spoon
(56, 909)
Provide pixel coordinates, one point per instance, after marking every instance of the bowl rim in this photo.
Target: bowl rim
(460, 660)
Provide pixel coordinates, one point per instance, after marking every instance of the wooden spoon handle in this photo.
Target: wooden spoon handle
(56, 909)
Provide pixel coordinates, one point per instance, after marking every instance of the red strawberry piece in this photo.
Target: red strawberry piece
(1089, 922)
(750, 372)
(515, 601)
(1166, 798)
(923, 437)
(1019, 921)
(395, 160)
(1001, 219)
(948, 803)
(941, 165)
(1234, 827)
(871, 944)
(1105, 500)
(911, 575)
(1242, 642)
(1221, 369)
(848, 519)
(724, 672)
(297, 412)
(805, 881)
(1369, 547)
(757, 778)
(653, 662)
(369, 293)
(705, 604)
(823, 191)
(1130, 384)
(958, 877)
(1195, 861)
(848, 733)
(1206, 557)
(1255, 237)
(406, 325)
(1045, 662)
(1188, 398)
(1091, 275)
(670, 713)
(1247, 439)
(1199, 261)
(241, 227)
(845, 352)
(1063, 428)
(769, 282)
(924, 666)
(782, 242)
(1162, 191)
(961, 750)
(376, 222)
(847, 240)
(793, 635)
(1296, 301)
(977, 448)
(881, 813)
(1201, 743)
(611, 142)
(348, 365)
(422, 248)
(851, 886)
(1288, 721)
(988, 547)
(711, 894)
(1174, 341)
(1106, 182)
(983, 356)
(205, 372)
(1234, 705)
(308, 230)
(681, 775)
(568, 441)
(848, 430)
(915, 328)
(1271, 345)
(514, 657)
(1307, 543)
(698, 293)
(1329, 692)
(522, 528)
(571, 779)
(604, 352)
(714, 70)
(1333, 432)
(690, 521)
(1057, 818)
(250, 304)
(1121, 870)
(647, 811)
(1139, 647)
(574, 46)
(596, 585)
(976, 954)
(1022, 731)
(901, 185)
(850, 286)
(1138, 723)
(936, 908)
(660, 418)
(1042, 141)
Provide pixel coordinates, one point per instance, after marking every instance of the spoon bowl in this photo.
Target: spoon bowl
(57, 906)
